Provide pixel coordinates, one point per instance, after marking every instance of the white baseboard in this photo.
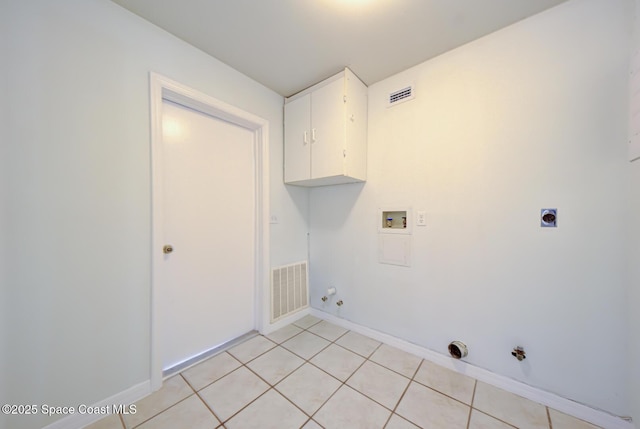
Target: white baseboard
(137, 392)
(127, 397)
(564, 405)
(567, 406)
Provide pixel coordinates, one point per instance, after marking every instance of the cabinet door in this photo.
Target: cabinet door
(297, 139)
(327, 123)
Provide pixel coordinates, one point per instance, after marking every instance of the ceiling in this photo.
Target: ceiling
(288, 45)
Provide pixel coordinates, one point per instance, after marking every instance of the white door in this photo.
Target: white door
(206, 295)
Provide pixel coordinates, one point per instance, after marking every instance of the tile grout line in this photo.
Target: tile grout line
(222, 422)
(257, 356)
(473, 397)
(242, 364)
(444, 394)
(197, 392)
(412, 379)
(310, 363)
(245, 407)
(473, 400)
(293, 403)
(367, 359)
(495, 418)
(327, 400)
(208, 407)
(273, 386)
(360, 366)
(305, 330)
(209, 384)
(165, 409)
(342, 383)
(286, 339)
(390, 370)
(356, 370)
(310, 416)
(403, 393)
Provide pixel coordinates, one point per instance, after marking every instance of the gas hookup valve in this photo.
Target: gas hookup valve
(519, 353)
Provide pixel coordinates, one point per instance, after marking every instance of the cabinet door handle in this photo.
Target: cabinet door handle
(305, 138)
(313, 135)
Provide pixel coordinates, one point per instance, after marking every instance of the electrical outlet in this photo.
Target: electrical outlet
(421, 218)
(273, 219)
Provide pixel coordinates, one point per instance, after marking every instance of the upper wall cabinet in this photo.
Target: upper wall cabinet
(325, 133)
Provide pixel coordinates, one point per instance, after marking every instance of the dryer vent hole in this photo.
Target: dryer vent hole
(458, 350)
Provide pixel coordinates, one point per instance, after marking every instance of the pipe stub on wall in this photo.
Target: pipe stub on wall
(458, 350)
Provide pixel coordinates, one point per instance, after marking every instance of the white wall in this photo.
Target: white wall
(4, 112)
(634, 265)
(79, 203)
(634, 292)
(530, 117)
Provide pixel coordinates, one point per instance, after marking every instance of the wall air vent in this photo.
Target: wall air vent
(289, 290)
(400, 96)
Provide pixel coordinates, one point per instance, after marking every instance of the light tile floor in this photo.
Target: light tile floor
(313, 374)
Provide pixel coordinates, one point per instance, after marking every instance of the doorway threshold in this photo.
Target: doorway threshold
(207, 354)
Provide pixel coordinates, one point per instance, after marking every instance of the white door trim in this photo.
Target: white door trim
(162, 88)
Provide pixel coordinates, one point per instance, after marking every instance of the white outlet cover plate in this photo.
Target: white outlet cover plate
(421, 218)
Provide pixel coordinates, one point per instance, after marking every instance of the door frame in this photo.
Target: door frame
(163, 88)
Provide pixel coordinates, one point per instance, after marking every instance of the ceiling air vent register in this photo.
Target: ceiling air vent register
(400, 96)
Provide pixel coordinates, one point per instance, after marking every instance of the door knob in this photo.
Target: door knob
(167, 249)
